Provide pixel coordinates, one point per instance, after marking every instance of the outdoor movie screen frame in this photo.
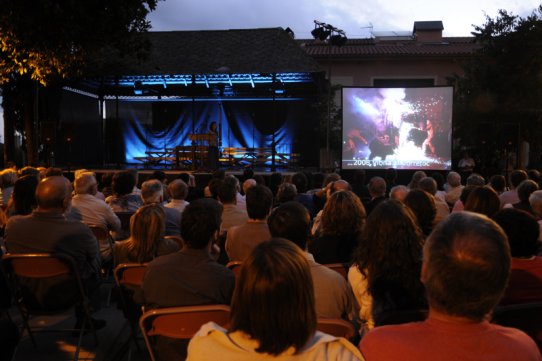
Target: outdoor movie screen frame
(401, 128)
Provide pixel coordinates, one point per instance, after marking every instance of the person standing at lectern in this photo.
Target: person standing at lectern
(212, 155)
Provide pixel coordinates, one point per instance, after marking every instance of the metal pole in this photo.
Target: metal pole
(273, 140)
(328, 125)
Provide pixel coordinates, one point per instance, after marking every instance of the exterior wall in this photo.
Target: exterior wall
(364, 72)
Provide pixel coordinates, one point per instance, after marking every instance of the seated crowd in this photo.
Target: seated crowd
(422, 266)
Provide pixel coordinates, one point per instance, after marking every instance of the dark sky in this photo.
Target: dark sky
(355, 17)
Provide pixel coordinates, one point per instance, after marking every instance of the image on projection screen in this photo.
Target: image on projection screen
(402, 128)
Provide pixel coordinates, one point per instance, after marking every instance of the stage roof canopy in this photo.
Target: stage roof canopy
(211, 63)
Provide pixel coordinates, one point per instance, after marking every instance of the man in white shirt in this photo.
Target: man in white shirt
(89, 209)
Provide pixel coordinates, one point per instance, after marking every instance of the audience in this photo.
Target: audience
(524, 190)
(342, 222)
(440, 194)
(332, 187)
(191, 276)
(377, 190)
(275, 180)
(498, 183)
(106, 184)
(272, 314)
(8, 177)
(301, 184)
(178, 190)
(429, 185)
(461, 272)
(321, 193)
(359, 187)
(511, 196)
(89, 209)
(152, 192)
(475, 179)
(146, 242)
(334, 298)
(286, 192)
(241, 202)
(483, 200)
(123, 198)
(465, 270)
(416, 177)
(453, 188)
(521, 228)
(385, 275)
(251, 182)
(423, 206)
(534, 175)
(28, 170)
(232, 214)
(23, 198)
(240, 240)
(56, 234)
(399, 192)
(535, 200)
(460, 203)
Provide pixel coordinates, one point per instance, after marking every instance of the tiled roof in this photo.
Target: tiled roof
(226, 51)
(451, 46)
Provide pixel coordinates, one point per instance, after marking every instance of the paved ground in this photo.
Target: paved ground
(114, 342)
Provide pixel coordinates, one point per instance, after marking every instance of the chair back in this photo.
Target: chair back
(180, 323)
(336, 327)
(235, 266)
(99, 232)
(129, 278)
(341, 268)
(178, 239)
(63, 288)
(130, 274)
(36, 265)
(59, 271)
(526, 317)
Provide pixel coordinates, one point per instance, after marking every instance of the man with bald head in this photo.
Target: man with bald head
(48, 230)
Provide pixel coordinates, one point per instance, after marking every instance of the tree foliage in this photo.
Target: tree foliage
(498, 97)
(54, 39)
(43, 42)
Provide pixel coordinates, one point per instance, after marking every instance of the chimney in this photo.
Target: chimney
(428, 31)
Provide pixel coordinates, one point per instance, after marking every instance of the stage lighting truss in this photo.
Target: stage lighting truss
(209, 80)
(222, 85)
(323, 32)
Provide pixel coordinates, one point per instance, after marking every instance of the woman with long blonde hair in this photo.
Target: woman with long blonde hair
(147, 229)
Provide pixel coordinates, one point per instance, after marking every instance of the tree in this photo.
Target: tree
(498, 98)
(45, 42)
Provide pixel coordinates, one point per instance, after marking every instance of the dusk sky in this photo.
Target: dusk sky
(355, 17)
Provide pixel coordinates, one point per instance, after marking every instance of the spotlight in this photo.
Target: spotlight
(320, 33)
(338, 39)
